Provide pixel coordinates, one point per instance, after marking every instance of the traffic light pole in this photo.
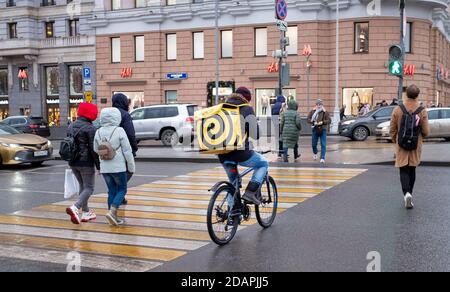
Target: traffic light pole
(280, 62)
(402, 44)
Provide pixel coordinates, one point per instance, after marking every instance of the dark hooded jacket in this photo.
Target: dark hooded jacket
(120, 101)
(276, 108)
(251, 130)
(85, 140)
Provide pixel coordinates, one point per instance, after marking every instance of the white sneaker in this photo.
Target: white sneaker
(88, 216)
(74, 214)
(322, 161)
(409, 201)
(315, 157)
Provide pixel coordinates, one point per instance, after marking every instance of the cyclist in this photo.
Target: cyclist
(246, 157)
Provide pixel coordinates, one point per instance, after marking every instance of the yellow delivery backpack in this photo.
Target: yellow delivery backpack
(219, 129)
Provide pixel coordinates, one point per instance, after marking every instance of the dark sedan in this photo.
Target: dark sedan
(29, 125)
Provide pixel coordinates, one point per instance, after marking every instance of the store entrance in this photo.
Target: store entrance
(4, 112)
(136, 99)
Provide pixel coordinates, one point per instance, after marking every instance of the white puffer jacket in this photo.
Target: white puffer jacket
(110, 119)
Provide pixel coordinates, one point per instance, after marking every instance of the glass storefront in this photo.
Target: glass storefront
(76, 90)
(73, 111)
(135, 98)
(355, 98)
(4, 102)
(265, 98)
(52, 90)
(53, 112)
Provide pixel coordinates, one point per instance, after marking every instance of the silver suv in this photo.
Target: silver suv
(169, 123)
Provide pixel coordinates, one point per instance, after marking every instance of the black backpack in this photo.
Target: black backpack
(410, 130)
(68, 150)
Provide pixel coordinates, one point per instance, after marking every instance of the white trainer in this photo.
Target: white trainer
(322, 161)
(409, 201)
(74, 214)
(88, 216)
(315, 157)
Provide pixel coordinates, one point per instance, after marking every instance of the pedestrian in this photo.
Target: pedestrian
(85, 162)
(365, 109)
(406, 119)
(291, 125)
(394, 102)
(440, 105)
(319, 119)
(342, 112)
(122, 103)
(277, 112)
(116, 159)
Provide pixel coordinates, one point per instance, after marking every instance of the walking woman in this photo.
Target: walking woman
(291, 126)
(85, 162)
(116, 157)
(319, 119)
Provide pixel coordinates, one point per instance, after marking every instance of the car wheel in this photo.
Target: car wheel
(169, 138)
(360, 134)
(37, 164)
(447, 139)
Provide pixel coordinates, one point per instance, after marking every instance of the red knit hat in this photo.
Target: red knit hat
(245, 92)
(88, 111)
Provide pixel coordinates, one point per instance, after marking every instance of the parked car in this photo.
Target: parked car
(169, 123)
(18, 148)
(29, 125)
(359, 129)
(439, 125)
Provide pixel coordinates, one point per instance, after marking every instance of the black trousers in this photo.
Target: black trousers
(408, 179)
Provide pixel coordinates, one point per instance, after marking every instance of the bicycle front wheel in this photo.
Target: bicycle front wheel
(267, 211)
(221, 227)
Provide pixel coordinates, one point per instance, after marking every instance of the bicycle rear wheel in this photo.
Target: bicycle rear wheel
(221, 227)
(267, 211)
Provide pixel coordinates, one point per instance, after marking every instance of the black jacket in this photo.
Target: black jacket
(120, 101)
(85, 140)
(251, 130)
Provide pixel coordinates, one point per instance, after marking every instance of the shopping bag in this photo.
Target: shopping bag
(71, 185)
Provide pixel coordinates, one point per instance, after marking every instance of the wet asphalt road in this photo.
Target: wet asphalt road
(331, 232)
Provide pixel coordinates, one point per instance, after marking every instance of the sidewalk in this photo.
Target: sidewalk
(339, 151)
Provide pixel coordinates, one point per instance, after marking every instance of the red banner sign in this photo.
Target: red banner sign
(23, 74)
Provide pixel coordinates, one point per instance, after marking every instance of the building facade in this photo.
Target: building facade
(44, 46)
(164, 51)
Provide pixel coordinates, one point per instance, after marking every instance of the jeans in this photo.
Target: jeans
(323, 144)
(86, 178)
(117, 188)
(286, 150)
(408, 179)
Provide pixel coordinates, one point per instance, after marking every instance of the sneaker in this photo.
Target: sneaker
(125, 201)
(74, 214)
(250, 193)
(409, 201)
(322, 161)
(315, 157)
(88, 216)
(112, 219)
(296, 159)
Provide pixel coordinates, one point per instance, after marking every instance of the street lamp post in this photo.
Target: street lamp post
(336, 116)
(217, 75)
(402, 44)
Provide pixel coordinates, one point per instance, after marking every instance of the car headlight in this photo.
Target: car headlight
(346, 123)
(49, 144)
(386, 128)
(10, 145)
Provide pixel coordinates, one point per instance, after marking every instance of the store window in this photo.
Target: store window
(408, 38)
(141, 3)
(136, 98)
(74, 27)
(227, 43)
(171, 2)
(116, 4)
(12, 30)
(171, 41)
(23, 79)
(4, 102)
(171, 96)
(139, 45)
(76, 90)
(199, 45)
(49, 29)
(115, 50)
(52, 74)
(292, 34)
(260, 42)
(354, 98)
(362, 37)
(265, 98)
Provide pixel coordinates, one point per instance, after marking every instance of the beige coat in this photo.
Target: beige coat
(404, 157)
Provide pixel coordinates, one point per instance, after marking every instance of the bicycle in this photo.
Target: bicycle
(227, 210)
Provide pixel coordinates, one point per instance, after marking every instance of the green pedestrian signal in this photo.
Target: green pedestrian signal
(396, 58)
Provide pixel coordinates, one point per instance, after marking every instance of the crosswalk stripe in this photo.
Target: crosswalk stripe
(215, 179)
(154, 242)
(201, 185)
(128, 230)
(130, 221)
(136, 214)
(211, 182)
(303, 169)
(309, 176)
(154, 201)
(283, 191)
(137, 252)
(98, 262)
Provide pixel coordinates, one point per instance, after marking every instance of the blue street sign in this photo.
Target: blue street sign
(177, 76)
(86, 73)
(281, 9)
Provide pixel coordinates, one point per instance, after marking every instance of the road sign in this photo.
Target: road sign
(177, 76)
(89, 96)
(281, 9)
(87, 73)
(282, 25)
(87, 82)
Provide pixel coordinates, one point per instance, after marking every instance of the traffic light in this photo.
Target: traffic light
(396, 59)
